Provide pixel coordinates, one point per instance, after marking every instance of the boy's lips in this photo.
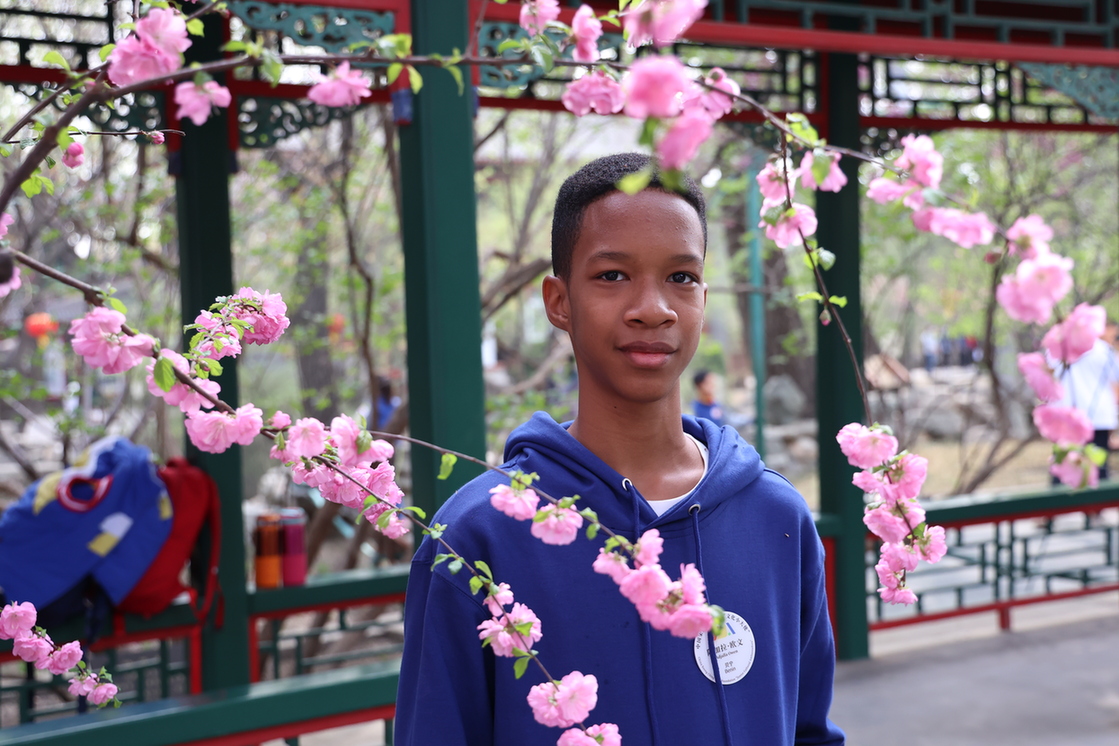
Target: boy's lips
(648, 354)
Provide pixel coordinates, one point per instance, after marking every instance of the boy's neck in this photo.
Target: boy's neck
(645, 442)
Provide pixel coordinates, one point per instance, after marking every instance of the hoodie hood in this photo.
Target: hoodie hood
(568, 468)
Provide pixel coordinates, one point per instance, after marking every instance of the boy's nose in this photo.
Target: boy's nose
(650, 308)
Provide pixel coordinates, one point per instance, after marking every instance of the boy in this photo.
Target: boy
(628, 289)
(705, 404)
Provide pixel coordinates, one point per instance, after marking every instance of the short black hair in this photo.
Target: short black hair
(594, 181)
(700, 377)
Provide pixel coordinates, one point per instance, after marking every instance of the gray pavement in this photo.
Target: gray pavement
(1055, 682)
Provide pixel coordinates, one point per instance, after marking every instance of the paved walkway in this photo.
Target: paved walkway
(1054, 681)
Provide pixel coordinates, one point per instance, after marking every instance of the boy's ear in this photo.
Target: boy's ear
(556, 305)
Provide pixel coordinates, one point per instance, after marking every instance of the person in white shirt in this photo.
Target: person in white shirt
(1092, 386)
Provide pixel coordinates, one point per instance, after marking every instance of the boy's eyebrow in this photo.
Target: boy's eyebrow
(621, 256)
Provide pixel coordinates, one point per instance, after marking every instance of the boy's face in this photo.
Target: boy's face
(633, 303)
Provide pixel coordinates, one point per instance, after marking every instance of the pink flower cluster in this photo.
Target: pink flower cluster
(215, 432)
(33, 645)
(154, 50)
(509, 631)
(343, 87)
(195, 101)
(551, 524)
(181, 395)
(339, 463)
(661, 22)
(560, 704)
(74, 155)
(895, 516)
(786, 226)
(677, 606)
(537, 14)
(100, 339)
(603, 734)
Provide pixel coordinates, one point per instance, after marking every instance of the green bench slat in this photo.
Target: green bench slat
(227, 712)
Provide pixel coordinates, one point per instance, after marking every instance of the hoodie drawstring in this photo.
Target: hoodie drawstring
(646, 637)
(694, 511)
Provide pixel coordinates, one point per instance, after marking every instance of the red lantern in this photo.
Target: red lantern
(40, 325)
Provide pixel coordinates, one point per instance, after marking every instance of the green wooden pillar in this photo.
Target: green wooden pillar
(443, 306)
(837, 396)
(206, 271)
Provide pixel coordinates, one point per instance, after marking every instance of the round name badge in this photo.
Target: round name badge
(734, 650)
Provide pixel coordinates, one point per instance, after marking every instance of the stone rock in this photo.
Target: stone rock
(944, 423)
(784, 401)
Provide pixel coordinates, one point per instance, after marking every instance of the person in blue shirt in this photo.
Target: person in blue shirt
(705, 404)
(628, 289)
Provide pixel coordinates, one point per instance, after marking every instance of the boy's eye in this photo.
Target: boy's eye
(611, 276)
(682, 277)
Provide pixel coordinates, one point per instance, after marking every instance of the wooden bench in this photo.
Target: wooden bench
(235, 716)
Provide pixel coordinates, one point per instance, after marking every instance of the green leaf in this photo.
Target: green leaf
(236, 45)
(821, 165)
(271, 67)
(542, 514)
(508, 44)
(825, 258)
(802, 130)
(456, 73)
(592, 530)
(194, 27)
(32, 186)
(648, 136)
(718, 620)
(383, 523)
(839, 301)
(394, 71)
(415, 79)
(416, 510)
(164, 374)
(447, 465)
(1095, 454)
(476, 584)
(439, 558)
(214, 367)
(53, 57)
(455, 566)
(484, 569)
(524, 628)
(105, 51)
(520, 666)
(589, 514)
(116, 304)
(635, 182)
(801, 297)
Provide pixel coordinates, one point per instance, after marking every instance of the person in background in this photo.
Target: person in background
(1092, 385)
(705, 404)
(386, 402)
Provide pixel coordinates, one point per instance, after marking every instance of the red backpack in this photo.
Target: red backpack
(194, 498)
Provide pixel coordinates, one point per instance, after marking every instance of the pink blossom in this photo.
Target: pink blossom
(346, 434)
(74, 155)
(519, 504)
(306, 438)
(100, 339)
(654, 87)
(921, 160)
(661, 22)
(692, 585)
(195, 100)
(395, 527)
(5, 221)
(605, 734)
(867, 481)
(280, 420)
(1020, 305)
(686, 133)
(1039, 376)
(498, 599)
(612, 564)
(1070, 339)
(65, 658)
(791, 225)
(166, 29)
(502, 633)
(597, 91)
(153, 51)
(923, 219)
(219, 338)
(536, 14)
(900, 595)
(932, 546)
(866, 447)
(564, 702)
(268, 316)
(215, 432)
(102, 694)
(180, 395)
(719, 103)
(649, 548)
(586, 29)
(1075, 471)
(886, 524)
(575, 737)
(690, 621)
(156, 137)
(1065, 426)
(14, 282)
(17, 619)
(771, 182)
(646, 585)
(1029, 236)
(33, 648)
(81, 686)
(905, 477)
(560, 526)
(1047, 277)
(343, 87)
(833, 182)
(884, 190)
(898, 557)
(963, 228)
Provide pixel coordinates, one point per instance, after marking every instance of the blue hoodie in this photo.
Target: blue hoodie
(746, 529)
